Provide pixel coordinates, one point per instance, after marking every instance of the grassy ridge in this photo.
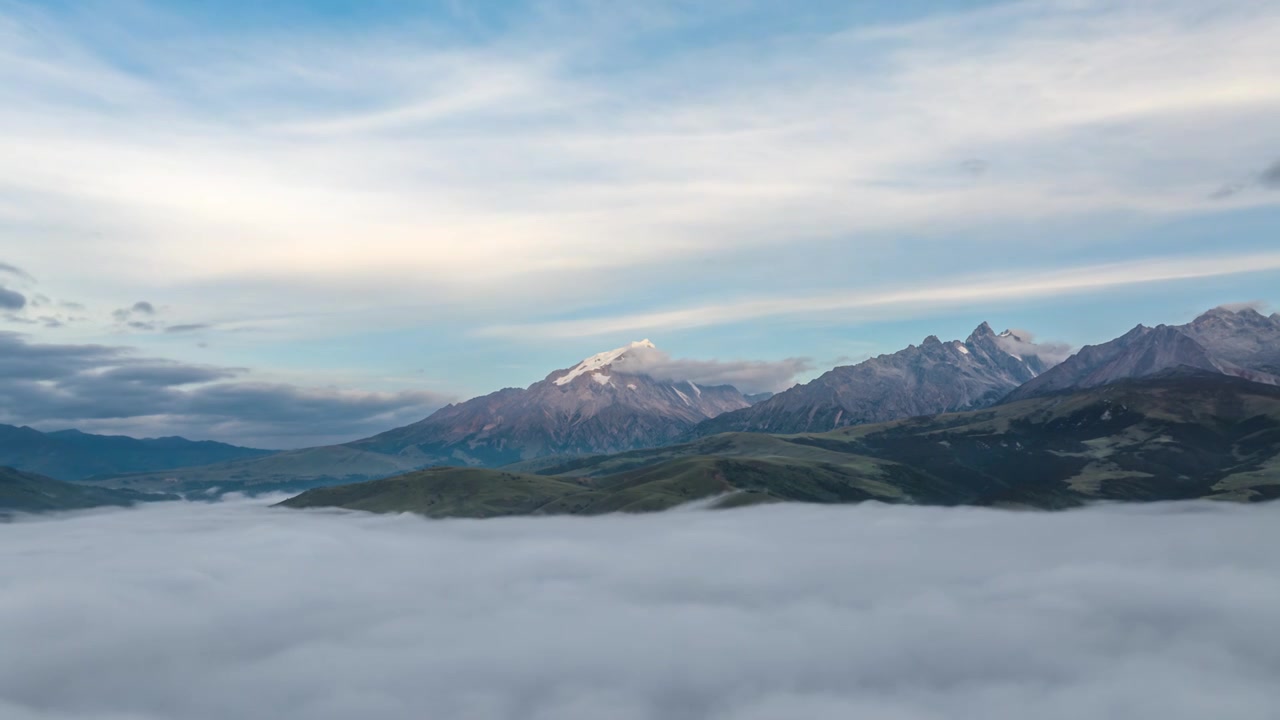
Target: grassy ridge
(31, 493)
(289, 471)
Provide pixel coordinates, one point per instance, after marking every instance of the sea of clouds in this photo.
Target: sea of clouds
(238, 610)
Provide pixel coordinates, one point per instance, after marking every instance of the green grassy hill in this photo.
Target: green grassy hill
(289, 471)
(31, 493)
(445, 492)
(1180, 435)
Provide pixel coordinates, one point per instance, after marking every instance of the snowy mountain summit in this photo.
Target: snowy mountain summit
(605, 404)
(597, 365)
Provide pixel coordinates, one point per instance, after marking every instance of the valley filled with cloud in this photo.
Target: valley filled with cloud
(239, 610)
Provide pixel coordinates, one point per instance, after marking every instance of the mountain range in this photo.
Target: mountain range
(606, 404)
(600, 405)
(931, 378)
(597, 406)
(73, 455)
(1179, 434)
(1243, 343)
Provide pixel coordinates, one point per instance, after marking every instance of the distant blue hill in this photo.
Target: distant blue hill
(74, 455)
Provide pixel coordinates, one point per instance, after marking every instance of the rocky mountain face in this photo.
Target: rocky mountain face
(1243, 338)
(587, 409)
(1243, 344)
(931, 378)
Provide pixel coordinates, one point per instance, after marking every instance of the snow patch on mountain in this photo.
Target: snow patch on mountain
(1022, 344)
(601, 360)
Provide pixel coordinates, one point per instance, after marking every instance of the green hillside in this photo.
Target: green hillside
(30, 493)
(1177, 436)
(292, 470)
(445, 492)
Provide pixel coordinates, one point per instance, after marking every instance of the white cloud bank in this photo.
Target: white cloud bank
(779, 613)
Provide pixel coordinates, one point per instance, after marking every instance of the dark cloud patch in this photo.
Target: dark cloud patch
(191, 327)
(1226, 191)
(20, 360)
(15, 271)
(143, 316)
(111, 389)
(975, 167)
(48, 321)
(749, 376)
(12, 299)
(1270, 178)
(129, 316)
(236, 610)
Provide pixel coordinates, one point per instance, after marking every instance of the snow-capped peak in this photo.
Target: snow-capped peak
(600, 360)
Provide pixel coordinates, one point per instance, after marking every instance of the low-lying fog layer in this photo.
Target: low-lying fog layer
(789, 612)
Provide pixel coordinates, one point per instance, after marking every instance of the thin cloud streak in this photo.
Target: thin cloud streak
(926, 299)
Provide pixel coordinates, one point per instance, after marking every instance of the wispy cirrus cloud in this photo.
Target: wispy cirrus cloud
(476, 162)
(589, 161)
(15, 271)
(842, 306)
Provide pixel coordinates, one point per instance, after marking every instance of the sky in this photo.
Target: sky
(293, 223)
(770, 613)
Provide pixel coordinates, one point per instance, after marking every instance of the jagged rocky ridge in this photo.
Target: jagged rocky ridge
(1243, 343)
(930, 378)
